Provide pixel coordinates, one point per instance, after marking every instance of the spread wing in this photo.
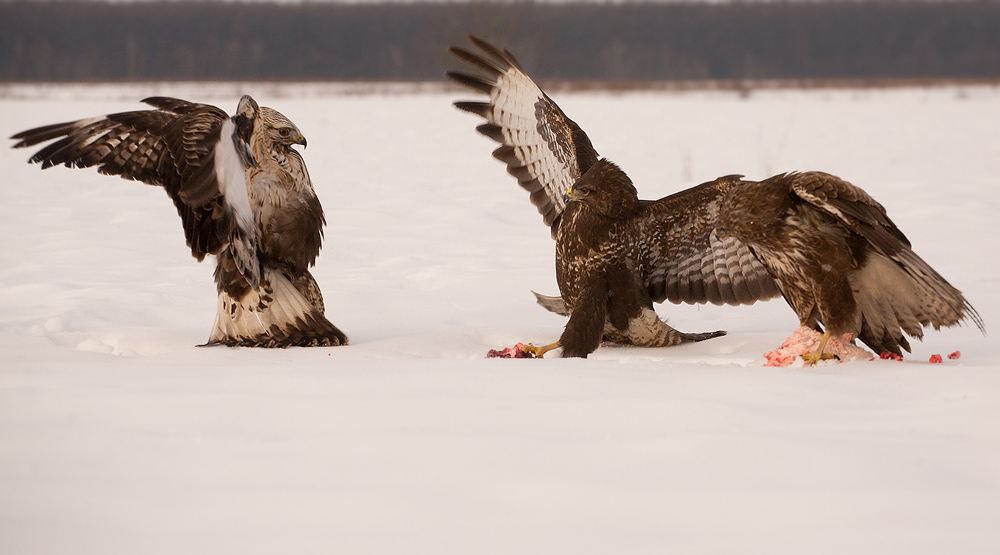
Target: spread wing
(687, 262)
(859, 212)
(545, 150)
(194, 151)
(852, 206)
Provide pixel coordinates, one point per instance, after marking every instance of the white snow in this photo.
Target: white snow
(119, 435)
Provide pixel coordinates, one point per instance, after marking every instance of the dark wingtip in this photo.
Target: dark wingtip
(471, 81)
(492, 131)
(502, 55)
(479, 108)
(473, 59)
(31, 137)
(485, 46)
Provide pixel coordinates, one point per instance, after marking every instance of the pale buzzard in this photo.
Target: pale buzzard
(243, 194)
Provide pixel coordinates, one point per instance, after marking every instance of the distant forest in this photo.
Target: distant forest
(631, 42)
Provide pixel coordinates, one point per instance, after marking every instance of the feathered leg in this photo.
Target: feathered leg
(585, 328)
(277, 314)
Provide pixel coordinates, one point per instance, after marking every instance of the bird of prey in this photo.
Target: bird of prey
(840, 262)
(616, 255)
(243, 194)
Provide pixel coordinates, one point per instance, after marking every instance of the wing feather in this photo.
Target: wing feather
(851, 205)
(173, 146)
(545, 150)
(687, 262)
(865, 216)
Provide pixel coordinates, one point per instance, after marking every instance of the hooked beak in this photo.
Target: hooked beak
(569, 196)
(720, 233)
(300, 141)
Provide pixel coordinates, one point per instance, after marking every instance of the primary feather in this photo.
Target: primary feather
(545, 150)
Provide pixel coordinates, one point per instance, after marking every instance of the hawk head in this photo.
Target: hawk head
(278, 131)
(605, 189)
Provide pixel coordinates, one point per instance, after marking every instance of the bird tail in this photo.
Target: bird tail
(553, 304)
(277, 314)
(904, 294)
(648, 330)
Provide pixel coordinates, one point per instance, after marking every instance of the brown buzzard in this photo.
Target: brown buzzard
(615, 254)
(243, 194)
(840, 262)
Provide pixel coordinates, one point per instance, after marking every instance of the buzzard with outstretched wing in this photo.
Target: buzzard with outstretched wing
(615, 254)
(840, 262)
(243, 194)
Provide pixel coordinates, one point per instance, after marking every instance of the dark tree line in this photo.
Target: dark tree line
(69, 41)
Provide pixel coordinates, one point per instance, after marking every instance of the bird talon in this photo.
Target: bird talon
(533, 351)
(539, 352)
(813, 358)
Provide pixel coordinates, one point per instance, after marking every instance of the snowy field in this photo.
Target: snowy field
(118, 435)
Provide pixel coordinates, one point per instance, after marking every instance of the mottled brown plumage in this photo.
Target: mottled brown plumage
(243, 194)
(841, 263)
(615, 254)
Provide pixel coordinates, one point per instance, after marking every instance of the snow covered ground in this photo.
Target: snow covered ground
(119, 435)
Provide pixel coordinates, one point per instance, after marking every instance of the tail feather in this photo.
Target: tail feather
(553, 304)
(904, 294)
(275, 315)
(648, 330)
(945, 305)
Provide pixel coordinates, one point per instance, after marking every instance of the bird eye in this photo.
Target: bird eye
(283, 132)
